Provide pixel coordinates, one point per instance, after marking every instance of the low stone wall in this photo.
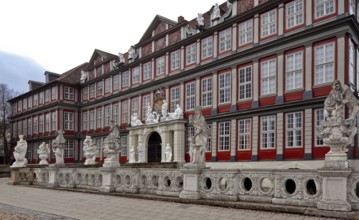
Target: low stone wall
(4, 171)
(295, 187)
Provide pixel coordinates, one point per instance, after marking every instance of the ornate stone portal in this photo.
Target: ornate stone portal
(20, 152)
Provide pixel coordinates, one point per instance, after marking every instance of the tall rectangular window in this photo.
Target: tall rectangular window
(125, 79)
(175, 60)
(246, 32)
(29, 126)
(324, 8)
(224, 88)
(124, 112)
(134, 106)
(135, 75)
(225, 39)
(324, 58)
(116, 82)
(224, 136)
(99, 118)
(35, 125)
(206, 87)
(145, 102)
(268, 77)
(174, 98)
(191, 53)
(269, 23)
(19, 128)
(209, 140)
(41, 98)
(294, 70)
(99, 88)
(107, 115)
(68, 93)
(190, 96)
(245, 83)
(294, 13)
(160, 65)
(47, 95)
(92, 91)
(41, 123)
(85, 93)
(47, 122)
(115, 113)
(294, 129)
(123, 145)
(92, 119)
(319, 117)
(108, 85)
(24, 127)
(35, 100)
(147, 71)
(54, 121)
(84, 121)
(29, 102)
(69, 149)
(54, 93)
(69, 121)
(268, 131)
(207, 47)
(24, 101)
(244, 134)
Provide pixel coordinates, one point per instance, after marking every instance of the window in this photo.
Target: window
(190, 96)
(107, 115)
(135, 75)
(294, 70)
(245, 83)
(207, 92)
(124, 112)
(29, 102)
(35, 125)
(85, 93)
(123, 145)
(116, 82)
(115, 113)
(223, 136)
(41, 123)
(54, 121)
(324, 8)
(47, 122)
(19, 106)
(225, 40)
(175, 98)
(244, 134)
(24, 101)
(147, 71)
(41, 98)
(69, 149)
(319, 117)
(24, 127)
(69, 121)
(269, 23)
(209, 140)
(294, 129)
(92, 91)
(47, 95)
(35, 100)
(189, 132)
(191, 53)
(246, 32)
(108, 85)
(29, 126)
(351, 64)
(294, 13)
(99, 88)
(224, 88)
(84, 121)
(324, 63)
(54, 93)
(99, 71)
(29, 152)
(175, 60)
(99, 118)
(268, 77)
(69, 93)
(134, 106)
(145, 102)
(160, 65)
(99, 146)
(19, 128)
(268, 132)
(92, 119)
(14, 129)
(125, 79)
(207, 47)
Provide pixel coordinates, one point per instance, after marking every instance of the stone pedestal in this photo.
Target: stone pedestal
(14, 180)
(334, 189)
(191, 184)
(107, 179)
(111, 161)
(53, 178)
(336, 160)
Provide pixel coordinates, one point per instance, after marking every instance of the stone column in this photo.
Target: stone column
(255, 103)
(308, 134)
(15, 179)
(279, 98)
(308, 72)
(165, 133)
(233, 139)
(214, 141)
(179, 144)
(280, 130)
(107, 179)
(191, 183)
(234, 89)
(255, 138)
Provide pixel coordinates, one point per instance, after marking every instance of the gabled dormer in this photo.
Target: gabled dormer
(158, 25)
(101, 62)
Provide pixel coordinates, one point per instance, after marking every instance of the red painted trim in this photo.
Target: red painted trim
(224, 108)
(335, 13)
(267, 154)
(224, 155)
(321, 91)
(259, 26)
(293, 96)
(239, 46)
(318, 152)
(219, 42)
(123, 159)
(293, 51)
(296, 153)
(260, 77)
(206, 111)
(244, 105)
(286, 30)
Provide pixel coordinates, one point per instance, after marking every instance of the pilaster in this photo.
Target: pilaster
(214, 93)
(308, 72)
(279, 138)
(255, 137)
(234, 89)
(198, 92)
(215, 45)
(308, 12)
(280, 19)
(307, 134)
(256, 29)
(255, 83)
(198, 51)
(214, 141)
(340, 57)
(234, 36)
(233, 139)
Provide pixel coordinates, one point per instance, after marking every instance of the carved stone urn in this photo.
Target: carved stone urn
(90, 151)
(43, 152)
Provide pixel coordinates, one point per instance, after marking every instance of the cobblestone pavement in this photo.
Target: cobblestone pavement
(21, 202)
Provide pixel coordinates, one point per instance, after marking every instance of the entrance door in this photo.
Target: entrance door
(154, 148)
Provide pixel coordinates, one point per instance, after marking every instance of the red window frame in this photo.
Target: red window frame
(260, 27)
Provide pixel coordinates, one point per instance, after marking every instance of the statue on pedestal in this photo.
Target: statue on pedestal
(168, 153)
(112, 147)
(90, 151)
(120, 62)
(132, 155)
(20, 152)
(134, 120)
(141, 153)
(84, 77)
(132, 54)
(43, 152)
(200, 22)
(58, 146)
(151, 117)
(164, 108)
(177, 114)
(216, 14)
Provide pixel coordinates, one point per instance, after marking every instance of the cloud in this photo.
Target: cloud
(16, 71)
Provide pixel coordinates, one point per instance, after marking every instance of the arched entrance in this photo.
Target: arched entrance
(154, 147)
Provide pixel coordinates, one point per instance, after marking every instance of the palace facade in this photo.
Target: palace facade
(260, 71)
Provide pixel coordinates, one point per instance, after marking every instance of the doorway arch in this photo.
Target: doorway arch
(154, 147)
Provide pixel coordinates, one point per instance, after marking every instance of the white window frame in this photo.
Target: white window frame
(85, 93)
(54, 93)
(206, 89)
(268, 77)
(207, 47)
(146, 99)
(92, 119)
(41, 123)
(69, 93)
(135, 106)
(69, 149)
(116, 82)
(174, 98)
(224, 86)
(99, 118)
(175, 60)
(245, 32)
(160, 66)
(245, 82)
(318, 118)
(190, 95)
(69, 121)
(47, 95)
(99, 88)
(41, 98)
(135, 75)
(244, 134)
(125, 79)
(29, 102)
(325, 63)
(124, 112)
(294, 12)
(36, 125)
(24, 127)
(224, 136)
(225, 40)
(115, 113)
(269, 23)
(326, 4)
(36, 100)
(191, 54)
(147, 71)
(93, 91)
(294, 70)
(209, 140)
(107, 114)
(294, 128)
(29, 126)
(47, 122)
(124, 143)
(108, 83)
(24, 101)
(268, 132)
(54, 121)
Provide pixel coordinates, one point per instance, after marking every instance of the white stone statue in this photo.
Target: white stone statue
(200, 22)
(151, 117)
(178, 114)
(20, 152)
(120, 62)
(132, 155)
(43, 152)
(58, 148)
(90, 151)
(141, 153)
(112, 147)
(164, 108)
(190, 31)
(198, 141)
(132, 54)
(216, 14)
(84, 76)
(168, 153)
(135, 121)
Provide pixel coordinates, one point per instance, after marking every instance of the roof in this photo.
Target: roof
(104, 54)
(155, 22)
